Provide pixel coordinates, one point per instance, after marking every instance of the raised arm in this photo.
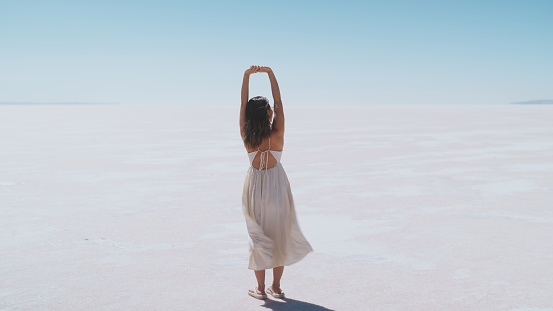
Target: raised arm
(278, 122)
(245, 94)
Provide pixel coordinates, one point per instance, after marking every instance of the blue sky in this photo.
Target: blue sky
(323, 52)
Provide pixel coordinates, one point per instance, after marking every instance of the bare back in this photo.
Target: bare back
(275, 143)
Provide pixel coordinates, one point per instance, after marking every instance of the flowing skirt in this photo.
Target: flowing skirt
(275, 236)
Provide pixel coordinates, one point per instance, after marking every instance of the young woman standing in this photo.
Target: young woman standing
(275, 237)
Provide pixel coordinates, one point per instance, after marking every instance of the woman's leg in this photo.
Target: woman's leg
(277, 275)
(260, 276)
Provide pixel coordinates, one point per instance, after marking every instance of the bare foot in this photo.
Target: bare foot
(275, 292)
(257, 293)
(276, 289)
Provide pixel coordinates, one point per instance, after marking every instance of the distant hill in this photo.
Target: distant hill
(536, 102)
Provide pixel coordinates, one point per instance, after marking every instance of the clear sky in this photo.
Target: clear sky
(323, 52)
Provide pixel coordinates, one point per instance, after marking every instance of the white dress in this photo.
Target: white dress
(275, 236)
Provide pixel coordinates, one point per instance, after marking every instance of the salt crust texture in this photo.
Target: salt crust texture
(406, 207)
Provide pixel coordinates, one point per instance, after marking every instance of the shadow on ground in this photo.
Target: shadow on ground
(291, 304)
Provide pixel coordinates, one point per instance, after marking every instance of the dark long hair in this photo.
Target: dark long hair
(257, 125)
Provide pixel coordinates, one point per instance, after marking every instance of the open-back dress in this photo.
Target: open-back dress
(275, 237)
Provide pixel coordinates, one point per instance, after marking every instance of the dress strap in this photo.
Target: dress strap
(264, 156)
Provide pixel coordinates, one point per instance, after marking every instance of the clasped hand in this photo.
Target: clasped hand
(256, 69)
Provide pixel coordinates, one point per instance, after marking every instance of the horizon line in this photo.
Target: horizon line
(54, 103)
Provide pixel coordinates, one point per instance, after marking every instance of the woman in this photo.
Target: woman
(275, 237)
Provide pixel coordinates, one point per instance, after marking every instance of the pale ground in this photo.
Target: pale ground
(407, 208)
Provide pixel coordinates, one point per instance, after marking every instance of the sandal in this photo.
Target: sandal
(272, 293)
(256, 295)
